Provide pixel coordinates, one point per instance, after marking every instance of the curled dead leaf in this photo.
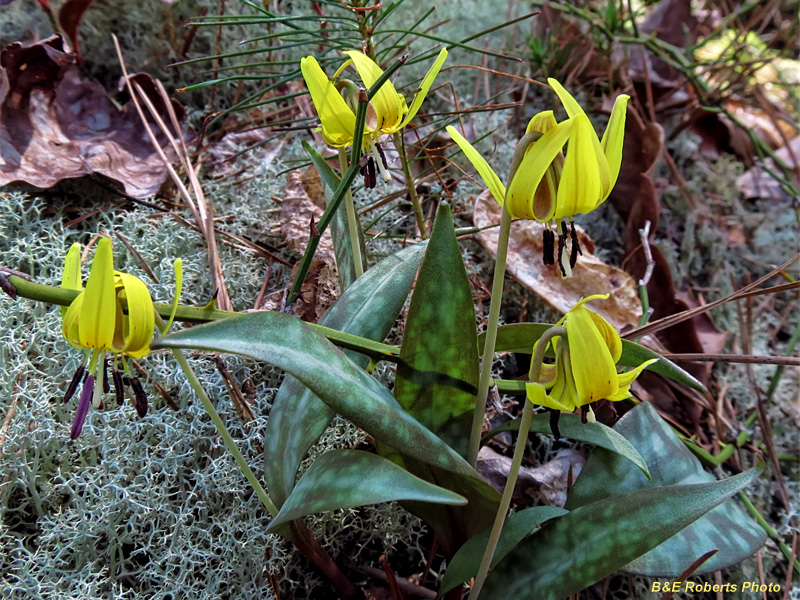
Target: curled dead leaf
(546, 484)
(55, 125)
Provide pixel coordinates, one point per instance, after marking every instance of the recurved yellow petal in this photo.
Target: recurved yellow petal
(388, 106)
(591, 363)
(424, 88)
(570, 104)
(626, 379)
(542, 122)
(610, 335)
(69, 321)
(490, 178)
(539, 396)
(564, 390)
(613, 138)
(138, 324)
(178, 268)
(71, 278)
(525, 198)
(97, 316)
(581, 186)
(338, 121)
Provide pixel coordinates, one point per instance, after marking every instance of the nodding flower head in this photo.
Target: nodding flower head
(547, 183)
(113, 317)
(336, 101)
(585, 369)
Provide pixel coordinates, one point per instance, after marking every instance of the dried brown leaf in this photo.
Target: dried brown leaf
(546, 484)
(591, 275)
(757, 183)
(55, 125)
(301, 207)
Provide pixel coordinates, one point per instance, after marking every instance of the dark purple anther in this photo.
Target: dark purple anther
(83, 407)
(73, 385)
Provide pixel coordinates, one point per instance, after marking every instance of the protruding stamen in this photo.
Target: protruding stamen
(548, 243)
(98, 370)
(555, 416)
(119, 387)
(83, 407)
(139, 397)
(380, 158)
(370, 179)
(73, 385)
(576, 245)
(563, 263)
(106, 382)
(562, 242)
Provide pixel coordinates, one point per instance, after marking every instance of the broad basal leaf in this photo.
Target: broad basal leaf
(571, 427)
(368, 308)
(726, 527)
(288, 343)
(464, 565)
(437, 376)
(593, 541)
(348, 478)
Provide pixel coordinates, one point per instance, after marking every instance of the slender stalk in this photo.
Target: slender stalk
(491, 338)
(347, 179)
(787, 552)
(505, 501)
(516, 461)
(400, 144)
(223, 433)
(352, 219)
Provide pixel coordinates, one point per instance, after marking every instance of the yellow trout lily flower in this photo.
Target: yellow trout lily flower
(113, 315)
(585, 369)
(546, 184)
(336, 100)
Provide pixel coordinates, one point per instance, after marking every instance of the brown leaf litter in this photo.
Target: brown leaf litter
(591, 275)
(55, 124)
(637, 202)
(302, 206)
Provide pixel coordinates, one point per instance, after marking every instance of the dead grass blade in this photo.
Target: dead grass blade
(202, 211)
(688, 314)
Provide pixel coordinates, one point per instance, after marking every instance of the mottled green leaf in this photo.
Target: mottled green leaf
(453, 525)
(464, 565)
(593, 541)
(339, 228)
(348, 478)
(437, 376)
(368, 308)
(571, 427)
(288, 343)
(726, 527)
(520, 337)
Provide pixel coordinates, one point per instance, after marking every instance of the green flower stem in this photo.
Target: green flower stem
(352, 219)
(519, 451)
(505, 500)
(347, 180)
(541, 349)
(191, 314)
(787, 552)
(400, 144)
(223, 433)
(377, 351)
(491, 338)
